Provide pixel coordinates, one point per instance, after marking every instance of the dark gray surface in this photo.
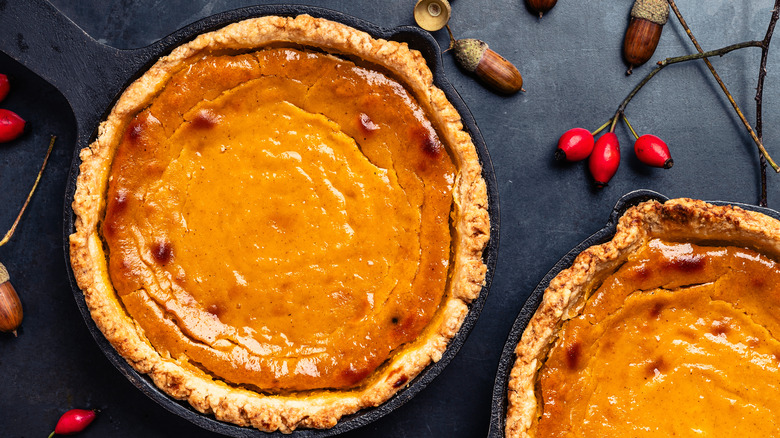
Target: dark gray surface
(574, 76)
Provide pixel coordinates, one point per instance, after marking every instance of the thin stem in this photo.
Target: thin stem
(677, 59)
(601, 128)
(10, 232)
(757, 137)
(625, 119)
(715, 74)
(721, 52)
(668, 61)
(717, 52)
(638, 87)
(614, 120)
(452, 37)
(760, 95)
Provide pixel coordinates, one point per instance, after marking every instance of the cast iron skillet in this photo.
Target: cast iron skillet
(91, 76)
(498, 411)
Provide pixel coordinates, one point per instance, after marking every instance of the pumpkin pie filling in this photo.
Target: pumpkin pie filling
(680, 340)
(272, 217)
(668, 329)
(281, 222)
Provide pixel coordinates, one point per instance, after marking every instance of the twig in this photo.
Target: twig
(10, 232)
(677, 59)
(760, 94)
(755, 134)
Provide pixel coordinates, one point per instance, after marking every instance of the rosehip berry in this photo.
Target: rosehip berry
(11, 125)
(605, 159)
(5, 86)
(73, 421)
(652, 151)
(574, 145)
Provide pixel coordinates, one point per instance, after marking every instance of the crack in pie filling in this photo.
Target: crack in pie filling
(281, 222)
(670, 329)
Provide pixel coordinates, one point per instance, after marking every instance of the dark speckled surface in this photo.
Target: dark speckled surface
(573, 76)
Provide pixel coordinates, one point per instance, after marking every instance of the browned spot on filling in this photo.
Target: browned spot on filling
(180, 278)
(135, 130)
(110, 228)
(655, 311)
(656, 367)
(205, 119)
(641, 273)
(432, 146)
(116, 206)
(573, 355)
(687, 263)
(758, 282)
(366, 124)
(354, 375)
(119, 203)
(162, 252)
(404, 325)
(216, 309)
(427, 142)
(720, 328)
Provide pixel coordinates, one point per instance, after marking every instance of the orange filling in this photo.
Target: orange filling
(678, 342)
(280, 219)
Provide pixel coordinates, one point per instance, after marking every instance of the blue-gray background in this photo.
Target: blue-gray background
(574, 76)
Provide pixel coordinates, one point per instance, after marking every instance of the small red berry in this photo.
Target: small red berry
(574, 145)
(73, 421)
(652, 151)
(11, 125)
(5, 86)
(605, 159)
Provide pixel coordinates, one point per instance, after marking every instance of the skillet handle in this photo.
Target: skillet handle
(89, 74)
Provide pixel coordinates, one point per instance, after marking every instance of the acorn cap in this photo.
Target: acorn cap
(432, 15)
(468, 53)
(3, 274)
(656, 11)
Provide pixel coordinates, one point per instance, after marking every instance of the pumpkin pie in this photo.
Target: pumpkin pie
(281, 222)
(667, 330)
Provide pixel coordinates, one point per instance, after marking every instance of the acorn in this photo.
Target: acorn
(540, 6)
(10, 305)
(492, 69)
(644, 30)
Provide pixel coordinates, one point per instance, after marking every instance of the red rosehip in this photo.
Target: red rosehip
(652, 151)
(11, 125)
(5, 86)
(574, 145)
(605, 159)
(73, 421)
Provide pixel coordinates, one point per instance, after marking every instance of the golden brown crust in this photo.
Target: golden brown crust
(676, 219)
(320, 409)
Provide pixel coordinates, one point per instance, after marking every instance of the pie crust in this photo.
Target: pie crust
(287, 410)
(566, 298)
